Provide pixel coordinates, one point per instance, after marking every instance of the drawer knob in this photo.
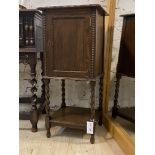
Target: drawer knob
(26, 27)
(31, 42)
(31, 27)
(26, 42)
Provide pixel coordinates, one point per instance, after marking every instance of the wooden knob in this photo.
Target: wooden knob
(26, 42)
(31, 27)
(26, 27)
(31, 42)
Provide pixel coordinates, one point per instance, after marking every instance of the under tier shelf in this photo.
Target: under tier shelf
(72, 117)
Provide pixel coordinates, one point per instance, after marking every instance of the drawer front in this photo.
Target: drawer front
(26, 30)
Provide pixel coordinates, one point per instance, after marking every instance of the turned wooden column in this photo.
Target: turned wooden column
(100, 100)
(115, 107)
(63, 105)
(47, 107)
(43, 84)
(92, 104)
(34, 110)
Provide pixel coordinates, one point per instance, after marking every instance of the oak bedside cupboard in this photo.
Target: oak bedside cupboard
(126, 65)
(73, 42)
(30, 44)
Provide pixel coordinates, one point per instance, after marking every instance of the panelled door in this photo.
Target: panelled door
(68, 45)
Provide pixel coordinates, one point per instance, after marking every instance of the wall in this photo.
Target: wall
(78, 93)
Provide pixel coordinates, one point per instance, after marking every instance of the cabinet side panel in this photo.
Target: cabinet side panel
(99, 57)
(38, 33)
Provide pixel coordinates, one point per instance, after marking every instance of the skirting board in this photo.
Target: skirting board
(119, 134)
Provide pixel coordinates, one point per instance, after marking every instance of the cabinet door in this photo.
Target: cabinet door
(67, 46)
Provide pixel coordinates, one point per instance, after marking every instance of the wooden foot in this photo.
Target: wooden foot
(100, 121)
(47, 123)
(34, 128)
(48, 134)
(92, 139)
(34, 110)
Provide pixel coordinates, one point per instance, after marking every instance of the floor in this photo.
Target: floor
(64, 141)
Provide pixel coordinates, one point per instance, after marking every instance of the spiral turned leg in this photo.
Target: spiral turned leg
(63, 105)
(100, 100)
(92, 85)
(43, 85)
(47, 107)
(34, 110)
(115, 107)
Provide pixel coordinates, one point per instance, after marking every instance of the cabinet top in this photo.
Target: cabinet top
(128, 15)
(96, 6)
(30, 10)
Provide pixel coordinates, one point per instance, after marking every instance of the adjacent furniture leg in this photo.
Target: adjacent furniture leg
(47, 107)
(63, 105)
(100, 100)
(92, 85)
(115, 107)
(34, 110)
(43, 85)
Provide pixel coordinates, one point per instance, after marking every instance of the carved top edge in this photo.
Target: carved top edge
(128, 15)
(96, 6)
(30, 10)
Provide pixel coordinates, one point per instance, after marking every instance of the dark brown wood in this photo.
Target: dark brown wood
(127, 48)
(63, 105)
(126, 65)
(73, 43)
(115, 107)
(31, 59)
(79, 54)
(28, 100)
(100, 100)
(34, 111)
(43, 85)
(47, 107)
(127, 113)
(92, 107)
(30, 42)
(73, 7)
(23, 115)
(30, 29)
(73, 117)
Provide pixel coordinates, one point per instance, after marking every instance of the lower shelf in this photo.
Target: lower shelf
(24, 115)
(72, 117)
(127, 113)
(28, 100)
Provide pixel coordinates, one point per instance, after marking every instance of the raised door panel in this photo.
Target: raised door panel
(68, 46)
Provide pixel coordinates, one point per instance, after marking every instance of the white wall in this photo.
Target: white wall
(78, 93)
